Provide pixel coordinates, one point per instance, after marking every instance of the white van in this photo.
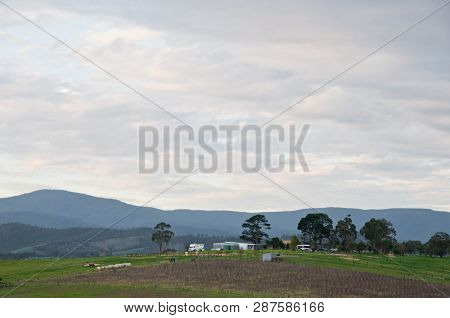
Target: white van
(304, 248)
(195, 247)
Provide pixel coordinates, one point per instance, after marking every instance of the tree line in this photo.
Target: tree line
(317, 230)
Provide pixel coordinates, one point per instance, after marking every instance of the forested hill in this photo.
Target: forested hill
(62, 209)
(21, 240)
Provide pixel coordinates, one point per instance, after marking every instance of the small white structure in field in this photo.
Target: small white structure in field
(196, 247)
(115, 266)
(269, 257)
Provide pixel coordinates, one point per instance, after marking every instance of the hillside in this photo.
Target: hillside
(62, 209)
(21, 240)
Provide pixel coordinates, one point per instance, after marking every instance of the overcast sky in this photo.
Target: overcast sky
(379, 138)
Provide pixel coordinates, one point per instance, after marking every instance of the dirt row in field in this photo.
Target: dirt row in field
(281, 279)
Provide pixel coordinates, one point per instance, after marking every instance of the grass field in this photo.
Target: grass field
(297, 275)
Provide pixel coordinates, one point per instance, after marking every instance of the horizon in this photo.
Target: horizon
(221, 210)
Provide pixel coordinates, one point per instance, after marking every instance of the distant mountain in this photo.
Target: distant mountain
(62, 209)
(40, 219)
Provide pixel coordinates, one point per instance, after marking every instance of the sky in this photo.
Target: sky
(379, 136)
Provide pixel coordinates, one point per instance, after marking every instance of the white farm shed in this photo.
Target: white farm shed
(236, 246)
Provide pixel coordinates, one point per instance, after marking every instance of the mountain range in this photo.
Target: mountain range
(62, 209)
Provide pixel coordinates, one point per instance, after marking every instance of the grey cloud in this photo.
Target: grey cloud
(230, 62)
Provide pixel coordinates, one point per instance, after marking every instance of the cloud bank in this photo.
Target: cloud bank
(380, 135)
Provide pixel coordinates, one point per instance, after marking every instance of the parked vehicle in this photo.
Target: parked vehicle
(304, 248)
(195, 247)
